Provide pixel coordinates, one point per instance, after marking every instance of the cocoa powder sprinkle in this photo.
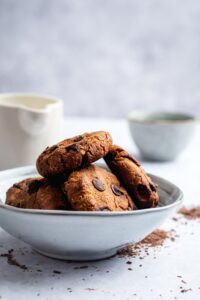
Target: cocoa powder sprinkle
(155, 239)
(190, 214)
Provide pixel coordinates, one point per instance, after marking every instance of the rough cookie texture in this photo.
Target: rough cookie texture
(133, 177)
(74, 153)
(36, 193)
(96, 189)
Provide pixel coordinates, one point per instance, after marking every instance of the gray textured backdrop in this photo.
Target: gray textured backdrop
(103, 57)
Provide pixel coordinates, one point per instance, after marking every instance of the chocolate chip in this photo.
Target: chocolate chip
(54, 147)
(34, 186)
(116, 190)
(143, 191)
(47, 149)
(50, 149)
(17, 186)
(112, 155)
(98, 184)
(78, 138)
(72, 148)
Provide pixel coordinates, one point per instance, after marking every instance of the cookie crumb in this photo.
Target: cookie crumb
(185, 290)
(12, 261)
(84, 267)
(57, 272)
(81, 267)
(183, 281)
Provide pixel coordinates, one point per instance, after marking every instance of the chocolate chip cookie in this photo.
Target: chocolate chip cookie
(74, 153)
(133, 177)
(36, 193)
(95, 189)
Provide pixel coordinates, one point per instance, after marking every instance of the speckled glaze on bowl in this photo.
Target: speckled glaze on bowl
(74, 235)
(161, 136)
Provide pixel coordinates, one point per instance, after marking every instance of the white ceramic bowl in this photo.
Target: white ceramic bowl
(74, 235)
(161, 136)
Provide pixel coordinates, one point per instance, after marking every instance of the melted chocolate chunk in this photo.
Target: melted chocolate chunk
(116, 190)
(143, 191)
(72, 148)
(34, 186)
(115, 154)
(17, 186)
(98, 184)
(50, 149)
(78, 138)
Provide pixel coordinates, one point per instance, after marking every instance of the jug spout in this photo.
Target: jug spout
(34, 123)
(28, 124)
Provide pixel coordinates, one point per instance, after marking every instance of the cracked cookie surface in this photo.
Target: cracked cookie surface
(36, 193)
(96, 189)
(73, 153)
(129, 171)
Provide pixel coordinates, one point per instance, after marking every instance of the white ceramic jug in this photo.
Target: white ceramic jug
(28, 124)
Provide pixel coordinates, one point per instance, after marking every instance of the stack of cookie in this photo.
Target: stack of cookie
(71, 182)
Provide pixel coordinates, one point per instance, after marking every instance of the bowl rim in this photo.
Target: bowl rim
(30, 169)
(141, 117)
(52, 101)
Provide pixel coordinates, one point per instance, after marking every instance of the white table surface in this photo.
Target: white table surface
(157, 278)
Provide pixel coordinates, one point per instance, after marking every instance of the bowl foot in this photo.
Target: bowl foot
(82, 256)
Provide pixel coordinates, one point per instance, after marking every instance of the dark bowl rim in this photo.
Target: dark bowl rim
(186, 118)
